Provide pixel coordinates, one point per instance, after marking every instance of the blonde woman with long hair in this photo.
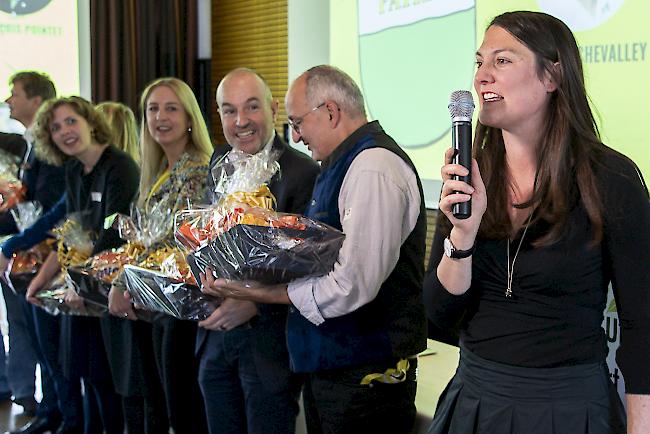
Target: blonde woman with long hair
(173, 128)
(176, 149)
(125, 128)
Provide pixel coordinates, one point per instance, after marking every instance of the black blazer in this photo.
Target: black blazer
(13, 143)
(292, 187)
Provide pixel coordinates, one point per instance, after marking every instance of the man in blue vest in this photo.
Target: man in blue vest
(355, 331)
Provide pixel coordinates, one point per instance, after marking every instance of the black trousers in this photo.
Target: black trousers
(67, 391)
(144, 416)
(336, 402)
(173, 342)
(135, 374)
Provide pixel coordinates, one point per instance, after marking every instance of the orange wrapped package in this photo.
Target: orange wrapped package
(11, 193)
(28, 261)
(106, 266)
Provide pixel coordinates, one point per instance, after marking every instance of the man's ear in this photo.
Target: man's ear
(334, 112)
(36, 102)
(275, 107)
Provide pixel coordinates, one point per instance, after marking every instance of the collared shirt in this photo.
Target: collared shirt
(29, 140)
(269, 144)
(217, 184)
(379, 205)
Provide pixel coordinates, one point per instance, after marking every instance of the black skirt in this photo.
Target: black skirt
(131, 358)
(489, 397)
(81, 350)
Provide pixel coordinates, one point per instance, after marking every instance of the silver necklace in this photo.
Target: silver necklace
(510, 267)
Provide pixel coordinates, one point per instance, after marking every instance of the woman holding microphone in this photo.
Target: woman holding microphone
(556, 215)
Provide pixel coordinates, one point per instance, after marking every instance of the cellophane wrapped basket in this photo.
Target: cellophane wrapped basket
(240, 237)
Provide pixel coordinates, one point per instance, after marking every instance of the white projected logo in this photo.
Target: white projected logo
(412, 55)
(22, 7)
(582, 14)
(377, 15)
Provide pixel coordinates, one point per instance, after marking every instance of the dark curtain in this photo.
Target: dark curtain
(136, 41)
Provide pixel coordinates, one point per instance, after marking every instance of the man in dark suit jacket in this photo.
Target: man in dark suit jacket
(13, 144)
(43, 182)
(244, 364)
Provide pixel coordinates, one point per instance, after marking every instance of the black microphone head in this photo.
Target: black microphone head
(461, 105)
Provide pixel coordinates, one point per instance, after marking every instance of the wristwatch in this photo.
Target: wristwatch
(453, 253)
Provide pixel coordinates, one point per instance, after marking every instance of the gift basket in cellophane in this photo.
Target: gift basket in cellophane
(140, 233)
(25, 264)
(242, 238)
(74, 246)
(12, 191)
(157, 277)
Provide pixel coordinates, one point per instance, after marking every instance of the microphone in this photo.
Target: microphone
(461, 107)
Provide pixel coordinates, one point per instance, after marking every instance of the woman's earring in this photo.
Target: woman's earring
(189, 129)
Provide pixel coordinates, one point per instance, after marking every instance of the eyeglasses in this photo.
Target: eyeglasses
(296, 121)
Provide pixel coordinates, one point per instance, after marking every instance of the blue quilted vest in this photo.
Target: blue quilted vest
(393, 324)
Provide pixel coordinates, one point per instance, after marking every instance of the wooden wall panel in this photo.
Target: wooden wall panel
(254, 34)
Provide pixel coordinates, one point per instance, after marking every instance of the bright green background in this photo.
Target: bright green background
(619, 91)
(414, 116)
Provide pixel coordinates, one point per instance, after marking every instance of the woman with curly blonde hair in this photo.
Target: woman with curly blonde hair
(80, 112)
(124, 133)
(100, 180)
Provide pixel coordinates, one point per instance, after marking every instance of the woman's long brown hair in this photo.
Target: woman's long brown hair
(570, 144)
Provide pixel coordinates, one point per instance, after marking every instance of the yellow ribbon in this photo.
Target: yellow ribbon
(159, 183)
(391, 376)
(68, 256)
(155, 258)
(262, 198)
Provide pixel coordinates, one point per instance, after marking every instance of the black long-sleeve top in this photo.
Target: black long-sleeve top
(109, 188)
(559, 291)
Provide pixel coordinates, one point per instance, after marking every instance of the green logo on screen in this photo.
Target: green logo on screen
(412, 55)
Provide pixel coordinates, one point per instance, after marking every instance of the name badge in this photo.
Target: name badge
(95, 196)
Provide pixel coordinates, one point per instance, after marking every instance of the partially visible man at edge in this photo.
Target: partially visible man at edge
(357, 330)
(61, 403)
(244, 364)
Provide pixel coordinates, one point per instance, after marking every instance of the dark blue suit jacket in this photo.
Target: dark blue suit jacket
(292, 187)
(13, 143)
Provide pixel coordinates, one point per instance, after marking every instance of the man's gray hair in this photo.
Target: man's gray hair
(325, 82)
